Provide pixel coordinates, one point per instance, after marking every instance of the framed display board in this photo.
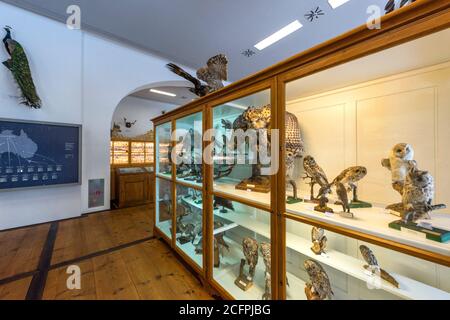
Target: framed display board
(39, 154)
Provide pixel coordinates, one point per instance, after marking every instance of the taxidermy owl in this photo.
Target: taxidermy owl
(343, 197)
(314, 172)
(320, 285)
(213, 73)
(418, 195)
(319, 240)
(399, 162)
(250, 248)
(374, 267)
(350, 176)
(20, 69)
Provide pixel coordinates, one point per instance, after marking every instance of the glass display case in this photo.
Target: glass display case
(164, 206)
(242, 147)
(137, 152)
(189, 223)
(149, 152)
(357, 207)
(371, 161)
(189, 149)
(242, 250)
(120, 152)
(163, 149)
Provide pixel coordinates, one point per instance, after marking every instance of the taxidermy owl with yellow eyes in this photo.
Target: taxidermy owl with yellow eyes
(400, 161)
(214, 72)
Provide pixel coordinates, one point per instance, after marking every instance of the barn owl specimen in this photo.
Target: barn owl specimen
(399, 162)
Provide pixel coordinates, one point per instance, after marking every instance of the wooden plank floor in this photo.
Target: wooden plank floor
(102, 231)
(138, 269)
(20, 250)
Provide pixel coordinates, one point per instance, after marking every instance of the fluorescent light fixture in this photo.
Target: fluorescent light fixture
(337, 3)
(280, 34)
(236, 105)
(163, 93)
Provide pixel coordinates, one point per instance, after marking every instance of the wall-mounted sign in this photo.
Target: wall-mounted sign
(38, 154)
(96, 193)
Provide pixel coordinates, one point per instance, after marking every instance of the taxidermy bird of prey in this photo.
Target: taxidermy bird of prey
(350, 176)
(320, 282)
(314, 172)
(218, 201)
(19, 67)
(343, 197)
(372, 262)
(250, 248)
(213, 73)
(390, 5)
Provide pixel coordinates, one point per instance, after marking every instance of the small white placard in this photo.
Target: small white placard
(413, 232)
(324, 254)
(329, 214)
(197, 240)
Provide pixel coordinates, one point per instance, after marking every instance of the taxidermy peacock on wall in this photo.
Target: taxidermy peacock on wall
(18, 65)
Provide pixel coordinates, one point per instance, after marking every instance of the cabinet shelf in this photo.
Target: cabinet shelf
(374, 221)
(409, 289)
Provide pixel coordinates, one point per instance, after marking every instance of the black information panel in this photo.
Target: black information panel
(34, 154)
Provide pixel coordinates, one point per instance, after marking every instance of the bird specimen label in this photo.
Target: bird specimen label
(434, 234)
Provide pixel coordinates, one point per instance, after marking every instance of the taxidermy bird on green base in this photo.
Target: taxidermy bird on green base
(19, 67)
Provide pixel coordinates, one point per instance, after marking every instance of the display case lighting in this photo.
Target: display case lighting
(337, 3)
(165, 93)
(280, 34)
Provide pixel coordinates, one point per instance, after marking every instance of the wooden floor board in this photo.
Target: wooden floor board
(144, 269)
(16, 290)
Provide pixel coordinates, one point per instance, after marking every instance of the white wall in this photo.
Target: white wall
(359, 125)
(142, 110)
(81, 78)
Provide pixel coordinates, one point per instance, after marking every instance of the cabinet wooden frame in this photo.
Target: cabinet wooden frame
(411, 22)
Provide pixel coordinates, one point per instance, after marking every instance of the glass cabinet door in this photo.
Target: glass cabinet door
(189, 149)
(354, 269)
(242, 250)
(163, 153)
(242, 147)
(189, 223)
(163, 206)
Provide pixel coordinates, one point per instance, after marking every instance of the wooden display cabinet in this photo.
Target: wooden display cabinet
(268, 219)
(134, 187)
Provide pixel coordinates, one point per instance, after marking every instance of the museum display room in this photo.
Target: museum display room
(353, 205)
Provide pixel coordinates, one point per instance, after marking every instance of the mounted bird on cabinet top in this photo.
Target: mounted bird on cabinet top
(20, 69)
(215, 71)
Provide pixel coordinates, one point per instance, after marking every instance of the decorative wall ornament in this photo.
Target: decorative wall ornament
(248, 53)
(20, 69)
(314, 14)
(215, 71)
(129, 124)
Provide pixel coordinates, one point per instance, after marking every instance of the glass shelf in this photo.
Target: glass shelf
(238, 167)
(233, 222)
(163, 145)
(189, 149)
(344, 266)
(189, 223)
(164, 208)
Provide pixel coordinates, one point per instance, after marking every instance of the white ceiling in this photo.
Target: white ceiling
(191, 31)
(183, 95)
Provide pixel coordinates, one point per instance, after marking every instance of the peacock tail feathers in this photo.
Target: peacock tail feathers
(19, 67)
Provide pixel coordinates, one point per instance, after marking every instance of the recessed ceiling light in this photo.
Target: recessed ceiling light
(163, 93)
(337, 3)
(280, 34)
